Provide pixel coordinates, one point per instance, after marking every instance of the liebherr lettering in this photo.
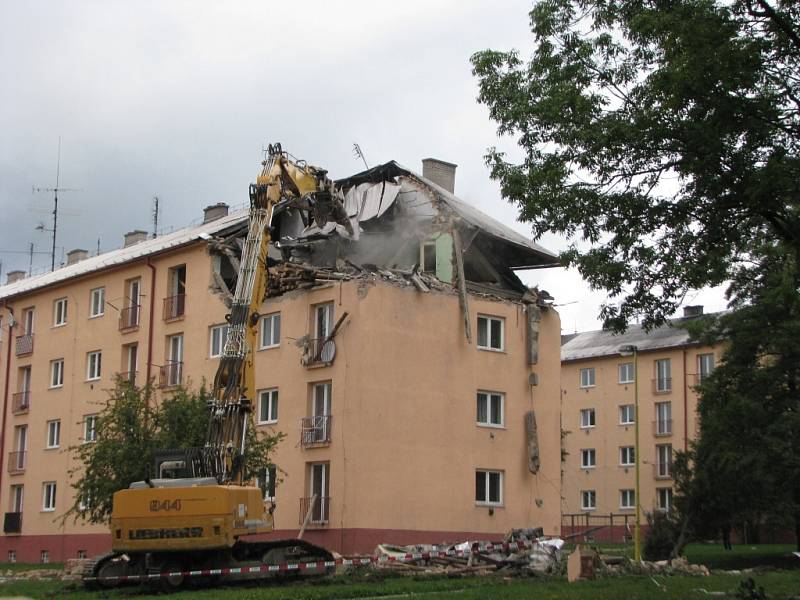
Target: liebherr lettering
(164, 533)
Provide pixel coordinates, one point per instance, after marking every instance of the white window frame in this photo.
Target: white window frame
(663, 367)
(627, 411)
(624, 376)
(44, 557)
(94, 365)
(491, 398)
(272, 397)
(485, 328)
(53, 439)
(702, 359)
(97, 302)
(586, 497)
(588, 458)
(585, 412)
(488, 473)
(269, 479)
(668, 494)
(57, 373)
(217, 337)
(60, 312)
(12, 556)
(627, 456)
(17, 492)
(89, 429)
(627, 499)
(275, 332)
(587, 375)
(49, 491)
(323, 320)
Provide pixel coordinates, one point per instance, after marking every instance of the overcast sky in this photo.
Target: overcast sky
(177, 99)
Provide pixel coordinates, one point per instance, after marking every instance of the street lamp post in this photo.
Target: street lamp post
(631, 350)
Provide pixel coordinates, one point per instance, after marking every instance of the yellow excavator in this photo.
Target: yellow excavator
(198, 513)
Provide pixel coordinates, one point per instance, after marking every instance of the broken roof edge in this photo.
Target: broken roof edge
(472, 215)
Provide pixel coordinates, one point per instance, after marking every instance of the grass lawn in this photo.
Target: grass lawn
(777, 584)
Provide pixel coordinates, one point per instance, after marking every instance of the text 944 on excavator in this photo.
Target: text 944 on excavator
(198, 513)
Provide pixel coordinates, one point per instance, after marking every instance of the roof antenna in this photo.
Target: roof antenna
(155, 216)
(357, 152)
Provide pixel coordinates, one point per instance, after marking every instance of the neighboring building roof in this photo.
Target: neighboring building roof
(526, 253)
(594, 344)
(122, 255)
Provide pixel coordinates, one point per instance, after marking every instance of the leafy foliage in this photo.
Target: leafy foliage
(662, 533)
(130, 429)
(662, 135)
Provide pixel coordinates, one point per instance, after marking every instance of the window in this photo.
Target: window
(664, 461)
(626, 372)
(268, 406)
(53, 433)
(271, 330)
(323, 320)
(97, 304)
(705, 365)
(129, 316)
(663, 375)
(45, 557)
(627, 498)
(49, 496)
(81, 554)
(664, 498)
(627, 456)
(267, 483)
(93, 362)
(17, 495)
(663, 418)
(587, 377)
(627, 414)
(60, 312)
(86, 500)
(319, 486)
(489, 488)
(12, 556)
(428, 258)
(219, 335)
(27, 321)
(588, 458)
(174, 367)
(131, 362)
(490, 409)
(57, 373)
(588, 500)
(90, 428)
(587, 418)
(490, 333)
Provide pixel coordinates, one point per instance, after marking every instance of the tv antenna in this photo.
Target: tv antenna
(357, 152)
(55, 191)
(155, 216)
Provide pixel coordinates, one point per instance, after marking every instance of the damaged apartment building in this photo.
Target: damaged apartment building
(416, 378)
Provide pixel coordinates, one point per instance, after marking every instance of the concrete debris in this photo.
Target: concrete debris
(679, 566)
(581, 564)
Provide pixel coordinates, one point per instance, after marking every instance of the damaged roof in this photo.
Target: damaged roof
(594, 344)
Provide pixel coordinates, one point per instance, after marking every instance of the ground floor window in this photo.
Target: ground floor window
(489, 487)
(588, 500)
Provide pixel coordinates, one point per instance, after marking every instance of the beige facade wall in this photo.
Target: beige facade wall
(405, 444)
(675, 426)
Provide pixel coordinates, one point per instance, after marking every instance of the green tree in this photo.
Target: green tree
(130, 428)
(661, 137)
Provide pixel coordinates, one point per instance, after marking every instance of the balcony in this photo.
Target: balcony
(662, 427)
(16, 461)
(171, 374)
(128, 377)
(662, 470)
(20, 402)
(319, 352)
(662, 385)
(320, 511)
(12, 522)
(315, 431)
(174, 307)
(129, 318)
(24, 344)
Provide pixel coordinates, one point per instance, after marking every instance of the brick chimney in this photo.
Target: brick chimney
(13, 276)
(440, 172)
(77, 255)
(134, 237)
(693, 311)
(214, 212)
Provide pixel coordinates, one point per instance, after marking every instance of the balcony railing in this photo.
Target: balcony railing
(12, 522)
(128, 376)
(129, 317)
(16, 461)
(171, 374)
(315, 431)
(174, 307)
(20, 402)
(319, 351)
(662, 427)
(662, 385)
(24, 344)
(320, 512)
(662, 470)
